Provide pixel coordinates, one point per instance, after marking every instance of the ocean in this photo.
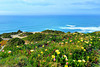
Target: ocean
(65, 23)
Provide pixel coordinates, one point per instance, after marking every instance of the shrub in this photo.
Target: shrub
(0, 39)
(36, 37)
(16, 41)
(6, 35)
(19, 31)
(26, 34)
(53, 31)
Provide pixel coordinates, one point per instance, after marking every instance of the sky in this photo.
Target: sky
(49, 7)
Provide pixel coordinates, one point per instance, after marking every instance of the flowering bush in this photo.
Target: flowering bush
(67, 50)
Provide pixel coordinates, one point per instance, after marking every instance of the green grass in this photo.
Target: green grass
(75, 49)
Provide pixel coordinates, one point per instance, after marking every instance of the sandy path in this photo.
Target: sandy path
(2, 48)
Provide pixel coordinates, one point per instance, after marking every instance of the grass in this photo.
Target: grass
(62, 50)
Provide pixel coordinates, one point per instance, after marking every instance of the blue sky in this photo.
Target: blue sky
(49, 7)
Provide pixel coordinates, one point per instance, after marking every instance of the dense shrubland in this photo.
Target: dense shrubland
(53, 31)
(15, 41)
(36, 37)
(0, 39)
(53, 50)
(26, 34)
(8, 35)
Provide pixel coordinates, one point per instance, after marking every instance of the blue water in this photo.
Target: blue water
(80, 23)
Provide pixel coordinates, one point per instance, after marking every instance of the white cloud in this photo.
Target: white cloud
(50, 6)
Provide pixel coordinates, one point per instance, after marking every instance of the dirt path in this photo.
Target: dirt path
(2, 48)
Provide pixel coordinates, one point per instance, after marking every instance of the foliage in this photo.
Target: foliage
(36, 37)
(26, 34)
(53, 50)
(6, 35)
(0, 39)
(16, 41)
(15, 61)
(19, 31)
(53, 31)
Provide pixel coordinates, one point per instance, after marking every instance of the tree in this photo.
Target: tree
(16, 41)
(19, 31)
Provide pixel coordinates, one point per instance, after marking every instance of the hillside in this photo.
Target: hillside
(52, 49)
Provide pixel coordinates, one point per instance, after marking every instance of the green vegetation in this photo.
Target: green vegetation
(53, 31)
(15, 41)
(25, 34)
(36, 37)
(0, 39)
(8, 35)
(53, 50)
(19, 31)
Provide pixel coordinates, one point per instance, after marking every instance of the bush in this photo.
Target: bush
(26, 34)
(53, 31)
(19, 31)
(16, 41)
(0, 39)
(6, 35)
(36, 37)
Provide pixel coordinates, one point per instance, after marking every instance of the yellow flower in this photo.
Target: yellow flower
(36, 47)
(79, 60)
(64, 56)
(90, 39)
(53, 56)
(43, 46)
(38, 55)
(83, 60)
(17, 46)
(91, 42)
(41, 52)
(82, 40)
(74, 60)
(58, 52)
(78, 41)
(70, 40)
(82, 47)
(87, 56)
(66, 65)
(31, 50)
(62, 43)
(45, 49)
(87, 42)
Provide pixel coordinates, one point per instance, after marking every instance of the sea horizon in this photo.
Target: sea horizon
(38, 23)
